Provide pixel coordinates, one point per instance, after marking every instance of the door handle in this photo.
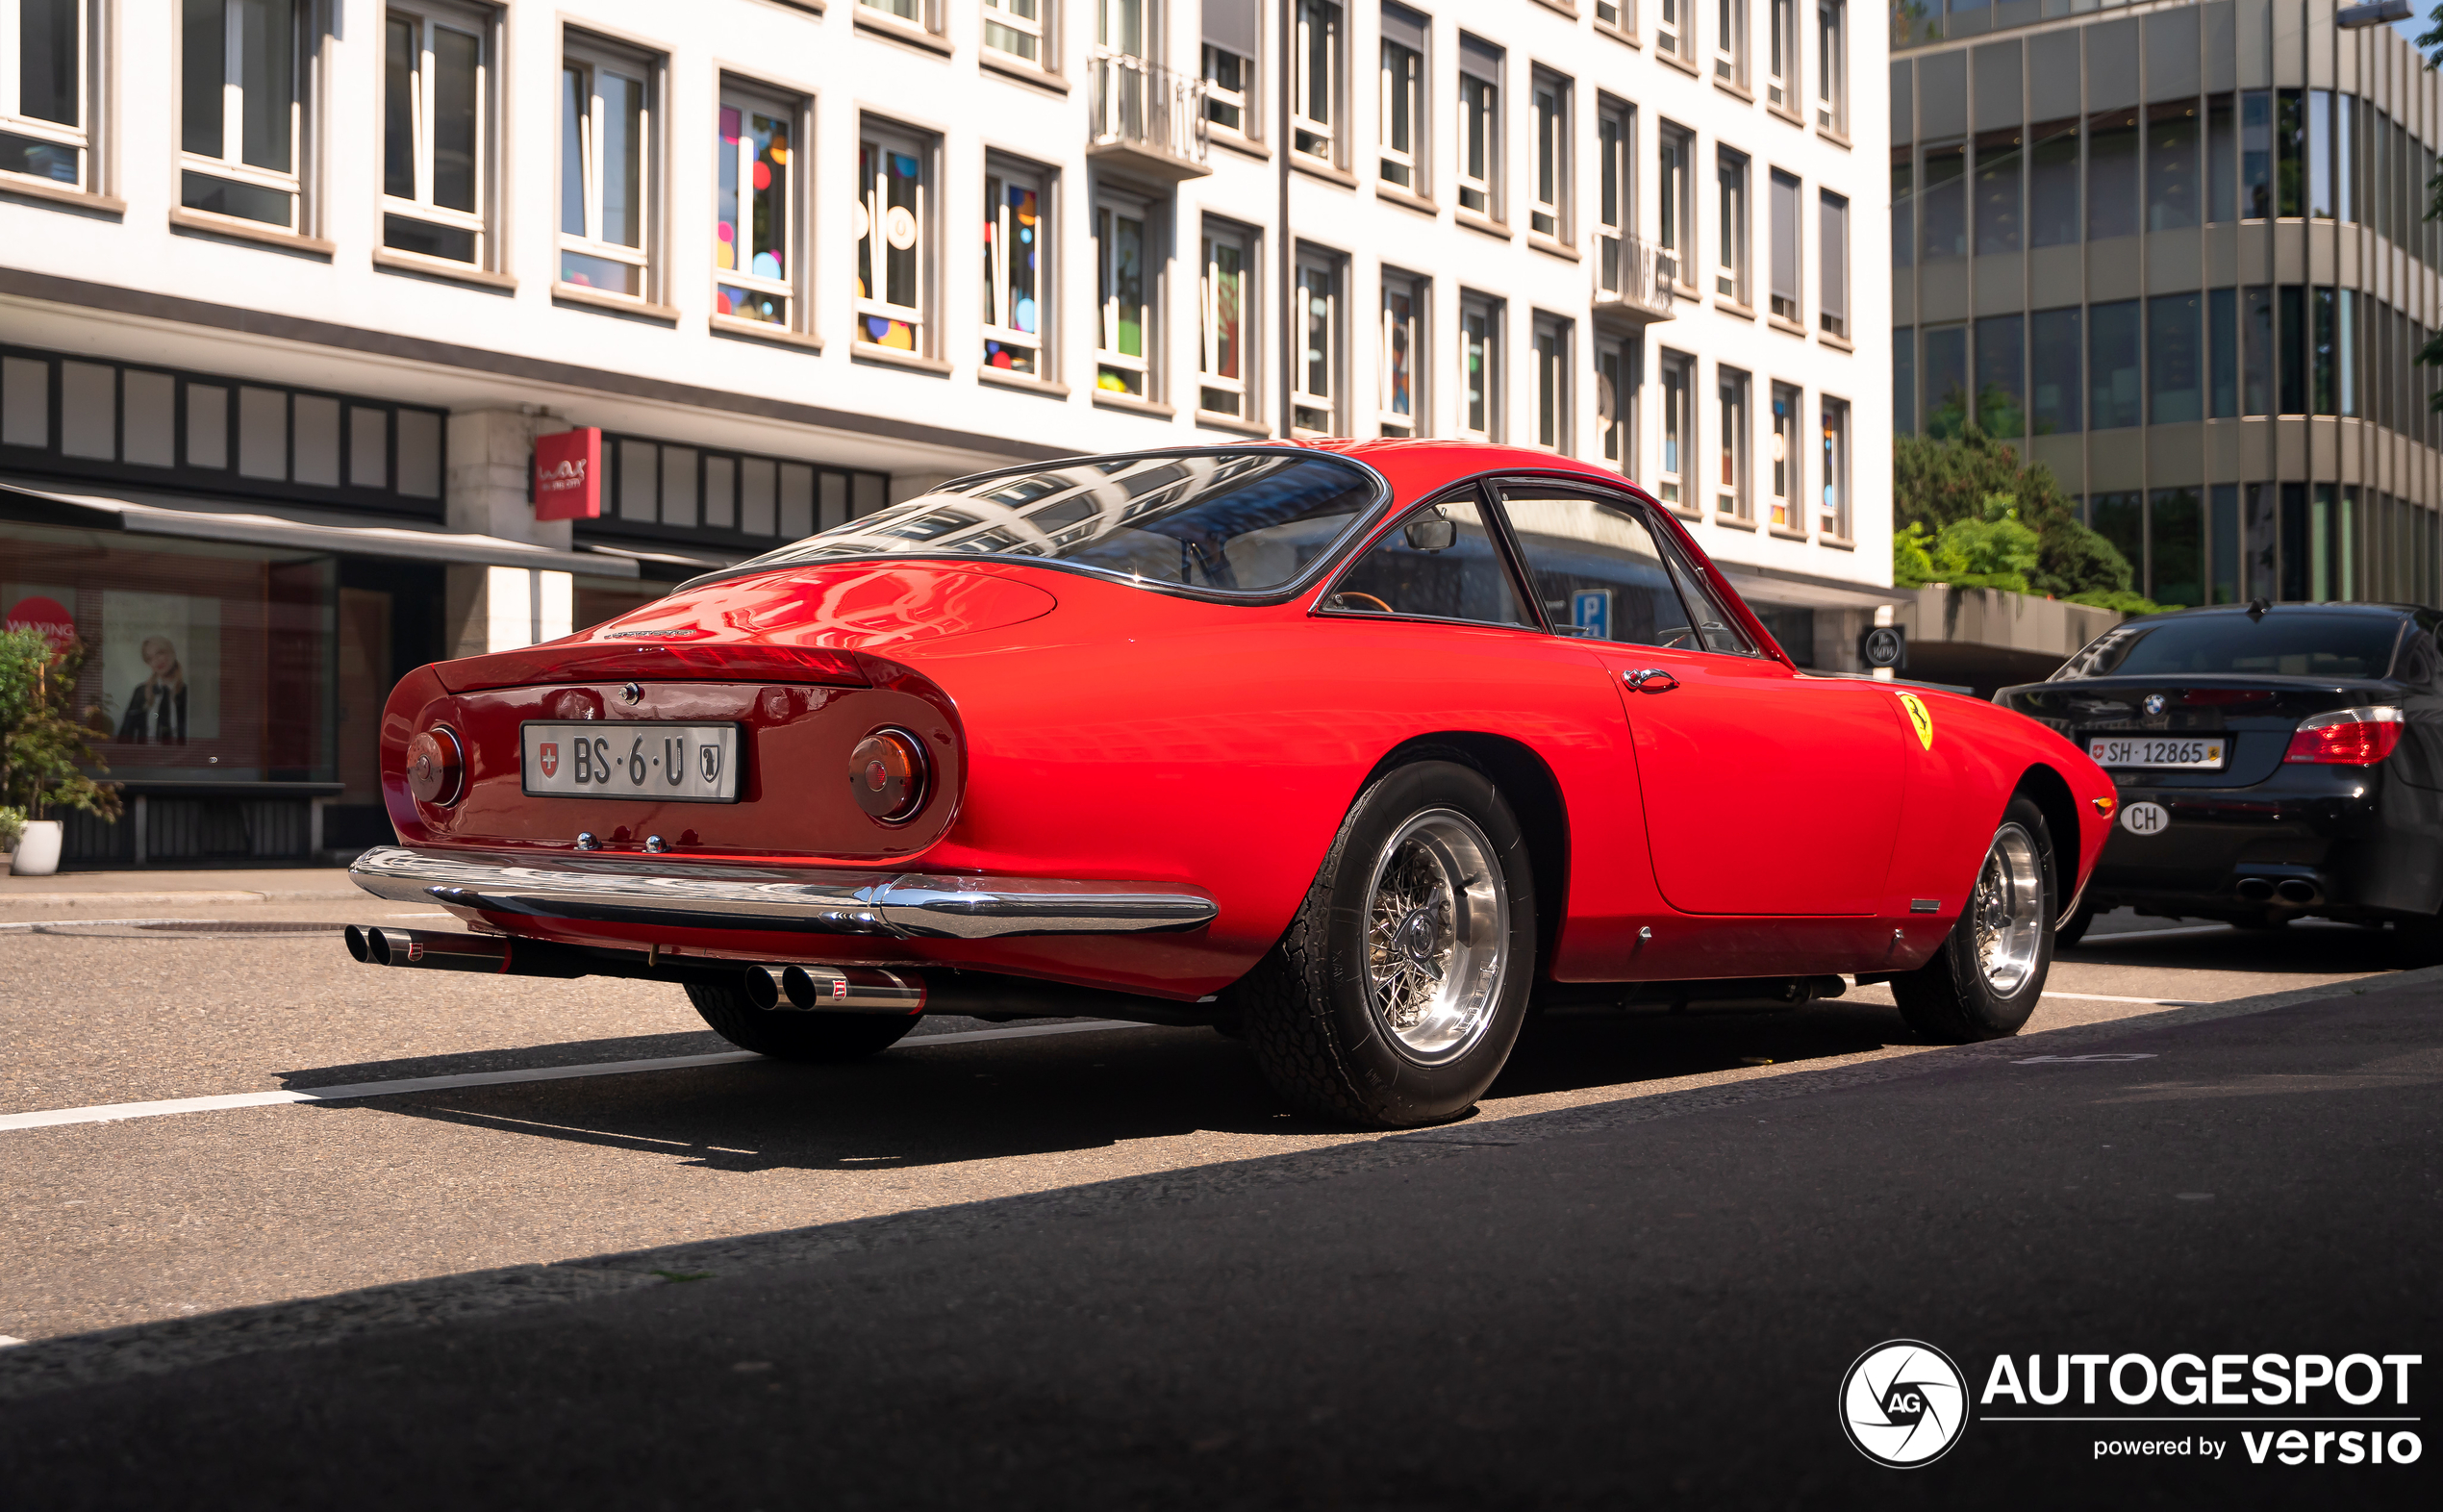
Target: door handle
(1651, 679)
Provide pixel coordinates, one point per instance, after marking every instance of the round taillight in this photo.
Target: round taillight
(435, 767)
(886, 774)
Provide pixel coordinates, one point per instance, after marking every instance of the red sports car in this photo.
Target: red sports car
(1360, 752)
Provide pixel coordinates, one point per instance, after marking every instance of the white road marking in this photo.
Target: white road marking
(114, 1112)
(62, 924)
(2153, 934)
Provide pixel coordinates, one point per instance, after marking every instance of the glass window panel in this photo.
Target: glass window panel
(2221, 159)
(796, 501)
(678, 486)
(834, 504)
(2113, 376)
(2290, 151)
(150, 435)
(1014, 230)
(2056, 389)
(368, 447)
(2052, 186)
(866, 493)
(1679, 430)
(1904, 380)
(2321, 199)
(203, 56)
(2293, 307)
(757, 484)
(2222, 346)
(2001, 359)
(1903, 207)
(1222, 311)
(2327, 391)
(720, 492)
(640, 480)
(457, 97)
(2256, 350)
(25, 402)
(2113, 174)
(2174, 367)
(1942, 204)
(207, 425)
(2121, 519)
(317, 448)
(2176, 530)
(2172, 168)
(419, 453)
(1409, 572)
(88, 410)
(1947, 393)
(574, 106)
(1598, 569)
(267, 74)
(622, 104)
(1999, 165)
(246, 201)
(1833, 482)
(263, 433)
(1730, 473)
(2257, 154)
(2224, 588)
(399, 51)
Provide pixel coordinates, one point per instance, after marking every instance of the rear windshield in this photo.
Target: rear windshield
(2276, 645)
(1236, 522)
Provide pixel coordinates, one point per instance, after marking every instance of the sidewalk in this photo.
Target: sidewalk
(167, 887)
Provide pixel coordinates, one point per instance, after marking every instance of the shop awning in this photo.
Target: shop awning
(149, 513)
(1760, 585)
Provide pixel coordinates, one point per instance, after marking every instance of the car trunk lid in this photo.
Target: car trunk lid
(2257, 714)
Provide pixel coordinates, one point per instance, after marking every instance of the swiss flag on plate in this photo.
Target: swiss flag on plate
(548, 753)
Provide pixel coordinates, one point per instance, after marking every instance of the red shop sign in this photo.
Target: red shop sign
(568, 475)
(46, 614)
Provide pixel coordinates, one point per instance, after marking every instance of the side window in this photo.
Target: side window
(1437, 564)
(1596, 569)
(1714, 626)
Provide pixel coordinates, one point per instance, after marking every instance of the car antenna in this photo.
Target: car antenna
(2257, 608)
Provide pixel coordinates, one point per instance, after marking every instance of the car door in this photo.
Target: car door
(1767, 793)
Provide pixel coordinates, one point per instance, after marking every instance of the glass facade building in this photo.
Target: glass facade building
(2182, 258)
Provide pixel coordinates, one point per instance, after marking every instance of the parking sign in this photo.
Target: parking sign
(1591, 612)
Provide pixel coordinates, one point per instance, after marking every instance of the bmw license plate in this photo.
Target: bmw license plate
(672, 762)
(2199, 754)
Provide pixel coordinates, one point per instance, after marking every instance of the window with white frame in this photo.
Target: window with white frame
(241, 110)
(1731, 225)
(606, 175)
(1015, 29)
(895, 184)
(1672, 482)
(1479, 127)
(1616, 394)
(1831, 65)
(1782, 56)
(918, 11)
(1479, 367)
(1786, 211)
(1552, 368)
(755, 206)
(437, 132)
(1787, 460)
(1124, 327)
(1232, 33)
(1614, 193)
(44, 48)
(1015, 267)
(1315, 408)
(1224, 316)
(1832, 258)
(1403, 91)
(1730, 41)
(1730, 479)
(1315, 79)
(1120, 27)
(1401, 386)
(1832, 483)
(1677, 229)
(1612, 14)
(1671, 29)
(1549, 216)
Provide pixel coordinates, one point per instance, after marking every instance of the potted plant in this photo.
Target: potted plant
(44, 750)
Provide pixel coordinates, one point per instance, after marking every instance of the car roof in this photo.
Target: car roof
(2361, 610)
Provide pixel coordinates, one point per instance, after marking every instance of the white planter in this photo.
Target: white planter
(37, 852)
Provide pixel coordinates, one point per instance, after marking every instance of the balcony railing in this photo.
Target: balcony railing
(1632, 279)
(1146, 116)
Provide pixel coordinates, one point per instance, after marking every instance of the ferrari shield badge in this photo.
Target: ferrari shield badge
(1919, 719)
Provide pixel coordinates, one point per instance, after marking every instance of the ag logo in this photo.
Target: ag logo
(1903, 1403)
(549, 754)
(1919, 719)
(2146, 818)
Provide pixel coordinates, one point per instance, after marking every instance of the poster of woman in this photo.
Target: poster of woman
(163, 665)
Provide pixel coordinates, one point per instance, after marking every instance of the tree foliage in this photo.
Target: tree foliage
(44, 750)
(1972, 480)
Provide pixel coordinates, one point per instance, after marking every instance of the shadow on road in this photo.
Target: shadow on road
(2308, 949)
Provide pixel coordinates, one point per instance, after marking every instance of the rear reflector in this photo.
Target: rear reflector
(2347, 737)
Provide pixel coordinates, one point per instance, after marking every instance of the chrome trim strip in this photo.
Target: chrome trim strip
(694, 894)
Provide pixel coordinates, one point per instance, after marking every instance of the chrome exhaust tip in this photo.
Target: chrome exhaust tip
(761, 985)
(2255, 889)
(360, 944)
(2300, 890)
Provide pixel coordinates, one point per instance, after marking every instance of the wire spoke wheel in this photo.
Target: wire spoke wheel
(1437, 923)
(2007, 910)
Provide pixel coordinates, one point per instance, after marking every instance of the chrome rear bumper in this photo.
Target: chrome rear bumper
(699, 895)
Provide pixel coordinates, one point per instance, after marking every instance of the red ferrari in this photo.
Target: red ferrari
(1359, 752)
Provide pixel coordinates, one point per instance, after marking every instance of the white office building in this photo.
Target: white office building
(292, 288)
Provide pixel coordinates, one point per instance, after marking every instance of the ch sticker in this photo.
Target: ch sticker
(1919, 719)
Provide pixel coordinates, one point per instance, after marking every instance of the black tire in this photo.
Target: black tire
(1953, 997)
(2418, 942)
(796, 1036)
(2075, 930)
(1310, 1009)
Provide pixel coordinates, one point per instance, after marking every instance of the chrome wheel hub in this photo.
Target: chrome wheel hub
(2006, 912)
(1437, 922)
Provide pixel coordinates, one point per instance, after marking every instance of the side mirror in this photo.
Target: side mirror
(1432, 533)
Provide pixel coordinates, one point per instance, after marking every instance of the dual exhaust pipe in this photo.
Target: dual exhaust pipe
(800, 988)
(2297, 892)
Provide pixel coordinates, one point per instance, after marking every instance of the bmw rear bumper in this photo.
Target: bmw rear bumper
(2338, 843)
(625, 889)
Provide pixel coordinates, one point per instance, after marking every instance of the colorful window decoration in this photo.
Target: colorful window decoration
(890, 242)
(1119, 236)
(751, 216)
(1014, 227)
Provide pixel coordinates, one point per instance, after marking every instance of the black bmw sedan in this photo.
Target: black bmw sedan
(2273, 760)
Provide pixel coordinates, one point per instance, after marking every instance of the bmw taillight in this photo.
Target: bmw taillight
(2347, 737)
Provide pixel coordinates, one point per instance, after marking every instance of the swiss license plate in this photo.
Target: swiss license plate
(670, 763)
(2202, 753)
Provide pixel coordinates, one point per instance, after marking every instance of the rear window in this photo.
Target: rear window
(2276, 645)
(1232, 523)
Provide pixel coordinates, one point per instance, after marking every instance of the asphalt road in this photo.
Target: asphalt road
(1103, 1269)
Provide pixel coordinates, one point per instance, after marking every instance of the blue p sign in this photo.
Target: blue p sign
(1591, 613)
